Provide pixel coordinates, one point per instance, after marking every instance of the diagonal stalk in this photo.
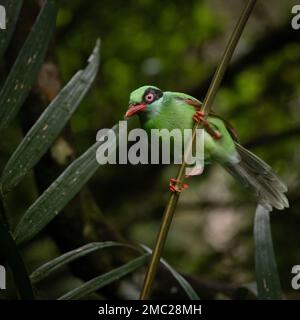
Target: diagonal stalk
(207, 104)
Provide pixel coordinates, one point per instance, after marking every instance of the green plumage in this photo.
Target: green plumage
(174, 110)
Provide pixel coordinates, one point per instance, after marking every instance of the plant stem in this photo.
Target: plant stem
(207, 104)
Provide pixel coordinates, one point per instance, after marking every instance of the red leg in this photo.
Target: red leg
(199, 117)
(177, 186)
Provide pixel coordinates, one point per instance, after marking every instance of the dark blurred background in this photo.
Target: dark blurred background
(176, 46)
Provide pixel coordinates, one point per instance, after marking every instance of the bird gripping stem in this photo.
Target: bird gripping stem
(207, 104)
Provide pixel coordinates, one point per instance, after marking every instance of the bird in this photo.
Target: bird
(169, 110)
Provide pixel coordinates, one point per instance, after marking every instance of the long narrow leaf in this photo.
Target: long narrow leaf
(268, 283)
(27, 65)
(191, 293)
(49, 125)
(105, 279)
(59, 193)
(9, 253)
(12, 8)
(46, 269)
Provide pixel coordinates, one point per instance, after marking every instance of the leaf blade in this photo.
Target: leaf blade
(59, 193)
(13, 8)
(268, 283)
(105, 279)
(10, 252)
(46, 129)
(46, 269)
(26, 67)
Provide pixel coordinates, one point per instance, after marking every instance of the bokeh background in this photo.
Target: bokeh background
(176, 46)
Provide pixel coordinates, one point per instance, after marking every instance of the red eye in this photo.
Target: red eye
(149, 97)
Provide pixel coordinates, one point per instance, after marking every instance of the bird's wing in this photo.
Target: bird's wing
(197, 105)
(229, 127)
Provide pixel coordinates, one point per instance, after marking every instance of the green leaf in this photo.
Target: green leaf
(49, 125)
(105, 279)
(59, 193)
(9, 253)
(267, 278)
(46, 269)
(27, 65)
(191, 293)
(12, 8)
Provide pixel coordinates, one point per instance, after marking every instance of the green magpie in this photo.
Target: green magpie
(159, 109)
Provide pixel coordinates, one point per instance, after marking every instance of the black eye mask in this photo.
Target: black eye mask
(156, 92)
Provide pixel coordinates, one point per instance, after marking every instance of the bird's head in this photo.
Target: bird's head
(143, 99)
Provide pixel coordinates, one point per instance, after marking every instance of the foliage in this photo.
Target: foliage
(175, 46)
(268, 283)
(31, 149)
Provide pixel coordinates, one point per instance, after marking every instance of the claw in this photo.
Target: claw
(199, 117)
(177, 185)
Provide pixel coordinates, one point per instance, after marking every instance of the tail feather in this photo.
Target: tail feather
(259, 166)
(258, 177)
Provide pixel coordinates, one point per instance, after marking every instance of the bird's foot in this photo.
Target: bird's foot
(177, 186)
(199, 118)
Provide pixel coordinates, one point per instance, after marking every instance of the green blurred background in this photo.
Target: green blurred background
(176, 46)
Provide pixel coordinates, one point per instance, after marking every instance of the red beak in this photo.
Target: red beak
(135, 108)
